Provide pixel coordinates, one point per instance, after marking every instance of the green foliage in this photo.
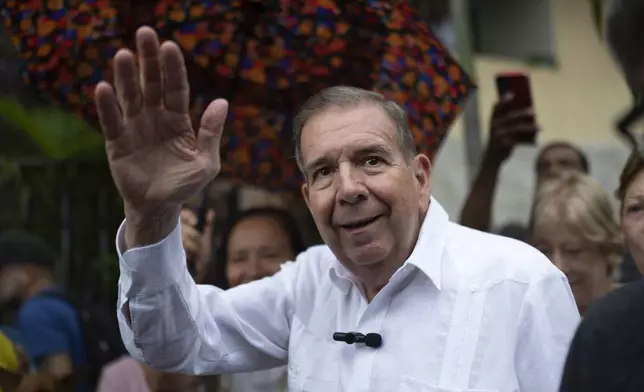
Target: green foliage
(48, 132)
(50, 159)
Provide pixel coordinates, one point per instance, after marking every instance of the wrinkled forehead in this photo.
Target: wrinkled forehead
(341, 132)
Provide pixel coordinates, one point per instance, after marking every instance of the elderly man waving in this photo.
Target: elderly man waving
(428, 304)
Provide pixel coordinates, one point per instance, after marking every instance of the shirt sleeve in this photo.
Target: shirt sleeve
(548, 320)
(42, 335)
(176, 325)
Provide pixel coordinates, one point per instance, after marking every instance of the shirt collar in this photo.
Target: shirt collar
(426, 256)
(428, 252)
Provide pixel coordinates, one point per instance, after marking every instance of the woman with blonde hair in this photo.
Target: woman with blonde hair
(574, 225)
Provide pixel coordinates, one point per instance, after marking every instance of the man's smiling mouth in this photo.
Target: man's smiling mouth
(360, 224)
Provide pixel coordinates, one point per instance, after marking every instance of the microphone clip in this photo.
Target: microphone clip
(373, 340)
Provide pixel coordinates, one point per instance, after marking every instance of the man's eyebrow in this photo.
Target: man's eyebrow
(377, 149)
(315, 163)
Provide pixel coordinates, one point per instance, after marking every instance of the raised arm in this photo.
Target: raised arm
(170, 323)
(508, 127)
(159, 162)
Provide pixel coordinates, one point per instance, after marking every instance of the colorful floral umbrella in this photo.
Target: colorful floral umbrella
(266, 57)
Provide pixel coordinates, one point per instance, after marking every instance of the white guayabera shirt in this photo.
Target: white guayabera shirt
(468, 311)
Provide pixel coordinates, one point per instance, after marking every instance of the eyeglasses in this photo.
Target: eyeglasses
(631, 126)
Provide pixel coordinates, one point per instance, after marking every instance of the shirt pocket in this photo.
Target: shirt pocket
(410, 384)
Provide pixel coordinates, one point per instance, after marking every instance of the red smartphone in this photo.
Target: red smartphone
(517, 85)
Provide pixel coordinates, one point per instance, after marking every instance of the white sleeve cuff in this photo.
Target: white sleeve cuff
(151, 268)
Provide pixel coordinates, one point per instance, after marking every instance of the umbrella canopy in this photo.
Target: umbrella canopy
(266, 57)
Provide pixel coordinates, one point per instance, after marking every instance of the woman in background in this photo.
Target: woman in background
(126, 374)
(254, 245)
(574, 225)
(607, 353)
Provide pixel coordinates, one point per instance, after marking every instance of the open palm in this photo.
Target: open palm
(158, 161)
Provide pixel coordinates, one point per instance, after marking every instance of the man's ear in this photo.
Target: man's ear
(422, 168)
(305, 194)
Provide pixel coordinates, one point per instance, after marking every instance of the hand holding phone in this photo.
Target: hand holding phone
(514, 116)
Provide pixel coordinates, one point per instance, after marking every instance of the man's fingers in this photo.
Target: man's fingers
(211, 128)
(176, 89)
(147, 46)
(512, 118)
(516, 132)
(109, 114)
(126, 81)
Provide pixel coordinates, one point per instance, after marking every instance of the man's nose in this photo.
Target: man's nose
(351, 189)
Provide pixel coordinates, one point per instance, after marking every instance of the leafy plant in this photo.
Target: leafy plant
(55, 134)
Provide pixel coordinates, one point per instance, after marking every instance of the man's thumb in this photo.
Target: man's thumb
(211, 127)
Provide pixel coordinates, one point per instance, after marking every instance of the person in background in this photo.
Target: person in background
(12, 360)
(507, 129)
(574, 225)
(126, 374)
(197, 244)
(254, 245)
(49, 327)
(607, 353)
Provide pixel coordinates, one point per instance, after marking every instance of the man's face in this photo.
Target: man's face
(367, 200)
(556, 160)
(13, 280)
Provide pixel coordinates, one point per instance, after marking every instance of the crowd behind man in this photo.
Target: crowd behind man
(44, 347)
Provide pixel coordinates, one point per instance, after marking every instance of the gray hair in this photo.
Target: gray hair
(351, 97)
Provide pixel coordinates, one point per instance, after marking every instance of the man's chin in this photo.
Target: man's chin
(367, 255)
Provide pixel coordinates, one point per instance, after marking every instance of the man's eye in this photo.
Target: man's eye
(372, 161)
(325, 171)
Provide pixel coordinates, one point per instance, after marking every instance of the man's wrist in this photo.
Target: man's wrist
(149, 228)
